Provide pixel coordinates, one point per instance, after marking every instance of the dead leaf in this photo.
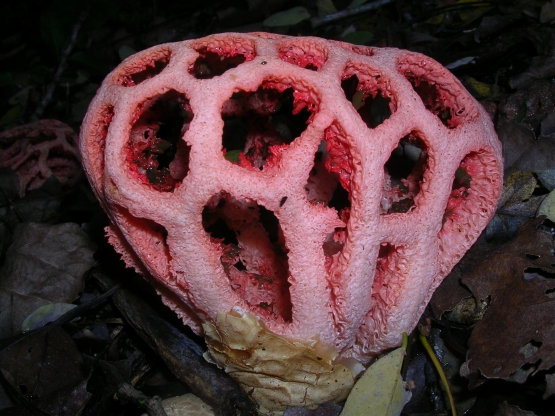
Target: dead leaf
(542, 67)
(516, 205)
(185, 405)
(547, 207)
(517, 188)
(449, 294)
(547, 178)
(517, 328)
(550, 386)
(491, 25)
(327, 409)
(505, 409)
(45, 264)
(547, 13)
(519, 128)
(48, 366)
(522, 151)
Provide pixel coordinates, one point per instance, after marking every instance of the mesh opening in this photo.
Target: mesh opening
(214, 61)
(459, 190)
(150, 71)
(259, 125)
(63, 164)
(370, 104)
(252, 253)
(329, 184)
(157, 155)
(403, 174)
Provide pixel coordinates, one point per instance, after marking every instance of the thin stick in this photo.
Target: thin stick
(49, 92)
(333, 17)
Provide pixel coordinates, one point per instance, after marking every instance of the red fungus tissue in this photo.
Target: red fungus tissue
(295, 200)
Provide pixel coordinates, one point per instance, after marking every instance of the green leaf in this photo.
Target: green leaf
(45, 314)
(288, 17)
(233, 155)
(325, 7)
(380, 390)
(360, 37)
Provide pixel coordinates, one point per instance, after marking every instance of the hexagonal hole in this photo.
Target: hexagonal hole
(403, 174)
(438, 89)
(365, 96)
(252, 253)
(221, 56)
(152, 66)
(64, 164)
(306, 55)
(462, 183)
(259, 125)
(157, 154)
(329, 184)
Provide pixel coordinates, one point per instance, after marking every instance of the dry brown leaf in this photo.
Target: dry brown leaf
(550, 386)
(519, 128)
(516, 336)
(45, 264)
(505, 409)
(48, 366)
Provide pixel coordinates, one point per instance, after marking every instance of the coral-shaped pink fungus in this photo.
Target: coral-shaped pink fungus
(38, 150)
(325, 188)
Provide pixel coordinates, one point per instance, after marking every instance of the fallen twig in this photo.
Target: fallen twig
(333, 17)
(49, 91)
(152, 405)
(182, 355)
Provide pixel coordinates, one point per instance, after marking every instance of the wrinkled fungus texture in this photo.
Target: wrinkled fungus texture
(38, 150)
(324, 188)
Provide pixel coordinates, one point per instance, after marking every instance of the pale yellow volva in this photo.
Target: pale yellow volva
(279, 373)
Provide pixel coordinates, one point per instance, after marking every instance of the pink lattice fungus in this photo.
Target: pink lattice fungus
(322, 188)
(36, 151)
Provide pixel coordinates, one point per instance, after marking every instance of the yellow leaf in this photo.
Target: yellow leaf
(481, 88)
(380, 391)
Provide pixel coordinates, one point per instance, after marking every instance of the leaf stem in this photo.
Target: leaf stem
(439, 369)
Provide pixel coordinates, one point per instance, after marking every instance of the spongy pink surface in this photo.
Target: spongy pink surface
(259, 226)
